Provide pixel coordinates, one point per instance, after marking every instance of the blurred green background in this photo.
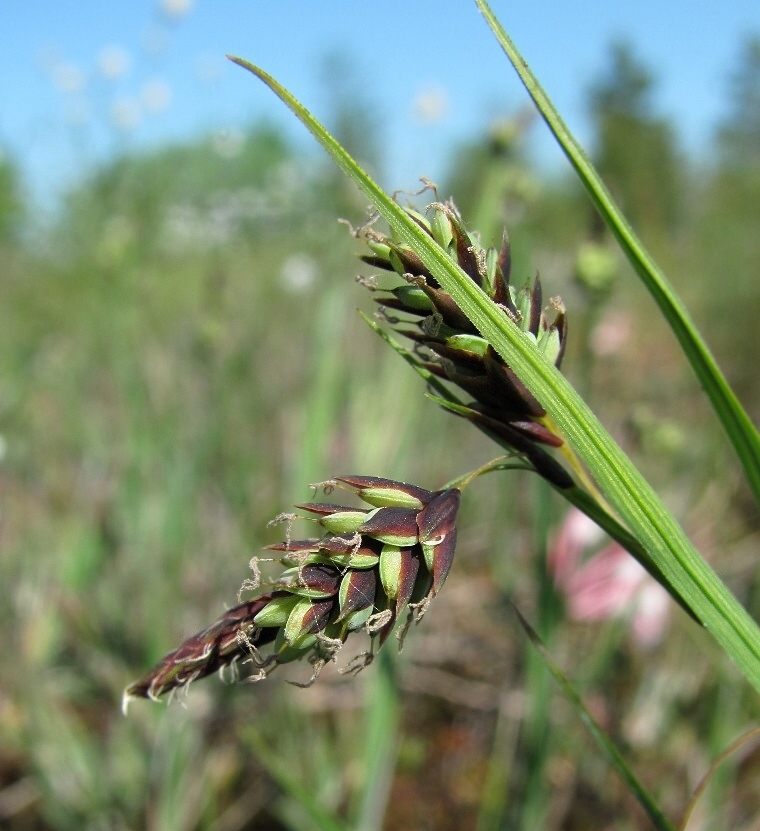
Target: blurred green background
(180, 357)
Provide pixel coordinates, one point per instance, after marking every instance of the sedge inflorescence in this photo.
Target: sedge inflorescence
(375, 566)
(371, 567)
(448, 345)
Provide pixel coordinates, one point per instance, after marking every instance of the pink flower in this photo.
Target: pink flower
(609, 584)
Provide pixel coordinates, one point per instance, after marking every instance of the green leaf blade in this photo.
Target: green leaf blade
(605, 744)
(740, 429)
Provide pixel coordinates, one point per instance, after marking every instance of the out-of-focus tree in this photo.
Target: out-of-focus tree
(739, 134)
(635, 149)
(193, 195)
(726, 242)
(353, 120)
(735, 187)
(11, 200)
(491, 179)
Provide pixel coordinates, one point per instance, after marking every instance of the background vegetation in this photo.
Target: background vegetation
(180, 358)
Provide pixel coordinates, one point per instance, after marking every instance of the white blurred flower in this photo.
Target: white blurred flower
(182, 226)
(113, 62)
(430, 104)
(299, 272)
(155, 95)
(228, 143)
(284, 183)
(189, 227)
(125, 113)
(176, 8)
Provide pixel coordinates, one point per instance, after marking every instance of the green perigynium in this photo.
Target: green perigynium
(369, 568)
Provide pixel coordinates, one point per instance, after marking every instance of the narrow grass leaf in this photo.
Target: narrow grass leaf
(702, 787)
(613, 755)
(286, 779)
(381, 741)
(741, 431)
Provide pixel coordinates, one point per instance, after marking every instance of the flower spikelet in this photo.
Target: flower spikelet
(371, 567)
(451, 348)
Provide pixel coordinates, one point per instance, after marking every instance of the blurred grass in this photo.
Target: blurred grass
(180, 360)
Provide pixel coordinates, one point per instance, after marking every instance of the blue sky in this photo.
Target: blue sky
(80, 81)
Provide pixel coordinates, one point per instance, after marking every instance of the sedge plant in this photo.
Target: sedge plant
(491, 354)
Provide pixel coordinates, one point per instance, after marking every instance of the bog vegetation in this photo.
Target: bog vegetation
(180, 357)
